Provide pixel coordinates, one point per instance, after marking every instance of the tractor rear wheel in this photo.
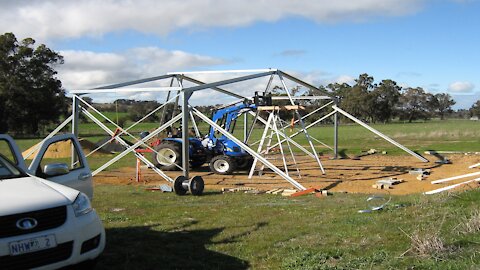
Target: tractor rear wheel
(222, 164)
(245, 163)
(168, 156)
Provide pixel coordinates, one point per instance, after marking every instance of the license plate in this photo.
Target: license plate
(32, 244)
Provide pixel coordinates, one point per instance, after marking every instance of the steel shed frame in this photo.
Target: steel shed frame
(187, 114)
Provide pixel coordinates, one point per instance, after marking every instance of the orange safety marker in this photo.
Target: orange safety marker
(304, 192)
(139, 170)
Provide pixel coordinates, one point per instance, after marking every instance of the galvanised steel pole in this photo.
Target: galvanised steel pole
(75, 119)
(185, 136)
(335, 132)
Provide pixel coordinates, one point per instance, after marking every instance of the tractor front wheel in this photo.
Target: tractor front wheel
(222, 164)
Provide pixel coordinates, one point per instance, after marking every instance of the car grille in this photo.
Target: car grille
(39, 258)
(47, 219)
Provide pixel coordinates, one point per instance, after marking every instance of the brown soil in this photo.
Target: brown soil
(345, 175)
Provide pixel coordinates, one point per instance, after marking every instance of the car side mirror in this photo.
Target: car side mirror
(55, 169)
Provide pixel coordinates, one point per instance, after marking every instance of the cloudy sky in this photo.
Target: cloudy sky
(429, 43)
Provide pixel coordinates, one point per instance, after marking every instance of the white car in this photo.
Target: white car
(43, 224)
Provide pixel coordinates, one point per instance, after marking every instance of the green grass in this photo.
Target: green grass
(452, 135)
(153, 230)
(156, 230)
(449, 135)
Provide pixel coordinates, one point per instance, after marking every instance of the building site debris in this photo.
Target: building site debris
(375, 203)
(273, 190)
(387, 183)
(441, 159)
(451, 187)
(255, 191)
(455, 177)
(163, 188)
(421, 177)
(288, 192)
(420, 171)
(226, 190)
(166, 188)
(367, 153)
(474, 166)
(453, 152)
(304, 192)
(323, 193)
(277, 191)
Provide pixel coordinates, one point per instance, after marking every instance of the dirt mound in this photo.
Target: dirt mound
(63, 149)
(111, 146)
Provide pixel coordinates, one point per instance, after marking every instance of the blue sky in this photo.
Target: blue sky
(431, 44)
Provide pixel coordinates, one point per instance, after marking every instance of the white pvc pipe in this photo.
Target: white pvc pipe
(455, 177)
(450, 187)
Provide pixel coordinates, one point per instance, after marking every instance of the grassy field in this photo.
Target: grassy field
(449, 135)
(152, 230)
(453, 135)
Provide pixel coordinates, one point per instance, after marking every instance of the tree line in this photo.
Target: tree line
(384, 101)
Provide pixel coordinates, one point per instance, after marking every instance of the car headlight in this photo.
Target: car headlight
(81, 205)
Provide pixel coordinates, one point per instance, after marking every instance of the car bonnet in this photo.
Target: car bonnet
(27, 194)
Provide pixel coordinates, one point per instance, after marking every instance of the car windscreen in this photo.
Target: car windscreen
(8, 170)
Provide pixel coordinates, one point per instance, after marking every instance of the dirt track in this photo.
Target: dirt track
(352, 176)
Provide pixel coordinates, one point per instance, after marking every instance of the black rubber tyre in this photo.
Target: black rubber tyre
(222, 165)
(169, 155)
(196, 185)
(178, 185)
(245, 163)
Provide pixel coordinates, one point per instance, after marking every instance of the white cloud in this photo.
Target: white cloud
(461, 87)
(47, 19)
(318, 78)
(85, 69)
(345, 79)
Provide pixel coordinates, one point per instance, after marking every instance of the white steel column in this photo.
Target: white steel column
(260, 145)
(275, 129)
(75, 120)
(186, 142)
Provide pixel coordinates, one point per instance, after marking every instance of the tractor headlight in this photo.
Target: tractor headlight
(81, 205)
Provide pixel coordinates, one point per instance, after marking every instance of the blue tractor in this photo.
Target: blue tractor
(223, 155)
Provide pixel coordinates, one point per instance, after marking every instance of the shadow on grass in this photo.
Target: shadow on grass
(142, 247)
